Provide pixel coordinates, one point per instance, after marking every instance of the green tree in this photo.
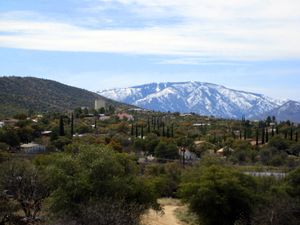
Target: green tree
(166, 151)
(94, 175)
(218, 195)
(72, 125)
(61, 126)
(151, 142)
(9, 136)
(279, 143)
(293, 183)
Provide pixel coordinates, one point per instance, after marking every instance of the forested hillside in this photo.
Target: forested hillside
(21, 94)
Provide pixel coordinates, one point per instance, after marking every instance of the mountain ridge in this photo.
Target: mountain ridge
(288, 111)
(194, 96)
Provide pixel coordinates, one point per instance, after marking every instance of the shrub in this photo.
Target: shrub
(218, 195)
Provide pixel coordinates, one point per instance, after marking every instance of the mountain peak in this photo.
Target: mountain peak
(194, 96)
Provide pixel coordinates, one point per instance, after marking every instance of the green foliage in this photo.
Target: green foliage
(151, 142)
(279, 143)
(218, 195)
(166, 151)
(9, 136)
(295, 149)
(293, 183)
(165, 178)
(139, 144)
(93, 174)
(61, 142)
(272, 156)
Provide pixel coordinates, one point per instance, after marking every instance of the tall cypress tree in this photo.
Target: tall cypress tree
(245, 134)
(296, 139)
(148, 125)
(291, 134)
(263, 136)
(136, 131)
(172, 130)
(61, 126)
(72, 125)
(163, 130)
(257, 137)
(285, 135)
(267, 135)
(142, 131)
(132, 130)
(168, 132)
(272, 131)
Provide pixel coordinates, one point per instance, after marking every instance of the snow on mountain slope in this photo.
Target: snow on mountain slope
(198, 97)
(288, 111)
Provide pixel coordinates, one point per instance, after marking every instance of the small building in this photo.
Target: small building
(33, 148)
(135, 109)
(103, 118)
(2, 124)
(199, 142)
(185, 114)
(125, 116)
(11, 122)
(201, 124)
(188, 155)
(46, 133)
(223, 150)
(100, 103)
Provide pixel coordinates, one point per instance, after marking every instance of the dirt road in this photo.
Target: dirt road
(167, 218)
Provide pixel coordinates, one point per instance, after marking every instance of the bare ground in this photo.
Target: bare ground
(167, 217)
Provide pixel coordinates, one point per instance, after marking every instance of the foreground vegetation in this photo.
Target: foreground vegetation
(112, 171)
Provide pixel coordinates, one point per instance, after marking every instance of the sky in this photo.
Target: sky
(250, 45)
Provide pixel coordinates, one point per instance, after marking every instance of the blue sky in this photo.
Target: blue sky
(251, 45)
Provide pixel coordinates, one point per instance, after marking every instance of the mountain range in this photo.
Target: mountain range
(21, 94)
(204, 99)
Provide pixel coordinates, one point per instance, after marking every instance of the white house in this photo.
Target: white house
(188, 155)
(33, 148)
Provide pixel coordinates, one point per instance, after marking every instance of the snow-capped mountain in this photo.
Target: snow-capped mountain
(288, 111)
(198, 97)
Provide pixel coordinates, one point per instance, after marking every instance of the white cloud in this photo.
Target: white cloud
(235, 29)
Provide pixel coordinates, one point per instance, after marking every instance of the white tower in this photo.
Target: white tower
(99, 103)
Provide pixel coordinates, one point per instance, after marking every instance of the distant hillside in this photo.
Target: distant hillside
(19, 94)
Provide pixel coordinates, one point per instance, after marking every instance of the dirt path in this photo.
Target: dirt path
(167, 218)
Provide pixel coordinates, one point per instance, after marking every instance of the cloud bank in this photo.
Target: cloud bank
(232, 30)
